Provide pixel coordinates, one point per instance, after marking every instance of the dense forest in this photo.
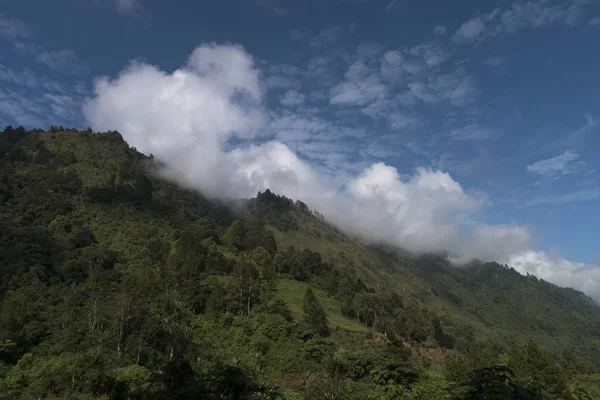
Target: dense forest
(117, 284)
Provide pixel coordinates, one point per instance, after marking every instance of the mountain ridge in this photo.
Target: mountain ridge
(124, 268)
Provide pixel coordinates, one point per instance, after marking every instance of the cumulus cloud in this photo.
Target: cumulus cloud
(553, 268)
(495, 243)
(412, 208)
(187, 118)
(187, 115)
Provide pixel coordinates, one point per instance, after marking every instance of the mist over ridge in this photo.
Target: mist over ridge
(189, 117)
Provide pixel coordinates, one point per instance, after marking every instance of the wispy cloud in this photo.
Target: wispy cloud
(126, 8)
(594, 21)
(17, 108)
(326, 37)
(13, 29)
(64, 60)
(28, 78)
(26, 107)
(432, 53)
(129, 7)
(440, 30)
(25, 77)
(562, 164)
(565, 198)
(497, 65)
(520, 15)
(277, 7)
(579, 134)
(473, 131)
(292, 98)
(61, 60)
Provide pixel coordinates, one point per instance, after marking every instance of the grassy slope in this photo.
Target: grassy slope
(496, 307)
(292, 292)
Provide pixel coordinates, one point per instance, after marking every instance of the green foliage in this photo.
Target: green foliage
(236, 235)
(314, 314)
(498, 382)
(117, 284)
(136, 377)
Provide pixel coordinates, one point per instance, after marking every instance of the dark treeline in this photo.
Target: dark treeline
(115, 284)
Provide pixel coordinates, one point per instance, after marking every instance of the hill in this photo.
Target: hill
(118, 284)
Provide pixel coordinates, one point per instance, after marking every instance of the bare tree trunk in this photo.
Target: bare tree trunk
(241, 297)
(249, 294)
(92, 315)
(137, 359)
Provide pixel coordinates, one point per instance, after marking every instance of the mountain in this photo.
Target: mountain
(116, 283)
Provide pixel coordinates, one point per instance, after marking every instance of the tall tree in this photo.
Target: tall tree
(236, 235)
(314, 314)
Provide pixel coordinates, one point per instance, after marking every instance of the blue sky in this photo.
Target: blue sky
(502, 96)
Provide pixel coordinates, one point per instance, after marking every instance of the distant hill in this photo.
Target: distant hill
(115, 283)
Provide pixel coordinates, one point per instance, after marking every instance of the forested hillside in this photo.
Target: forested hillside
(116, 284)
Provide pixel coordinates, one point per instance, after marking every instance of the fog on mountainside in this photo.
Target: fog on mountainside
(119, 284)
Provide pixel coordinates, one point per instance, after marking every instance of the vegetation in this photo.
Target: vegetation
(116, 284)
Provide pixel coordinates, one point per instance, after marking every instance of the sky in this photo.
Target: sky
(469, 127)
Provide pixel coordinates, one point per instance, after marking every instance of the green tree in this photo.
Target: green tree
(236, 235)
(498, 382)
(314, 314)
(246, 285)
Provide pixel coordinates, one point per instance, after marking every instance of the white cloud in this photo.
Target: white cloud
(440, 30)
(400, 120)
(456, 87)
(561, 164)
(128, 7)
(326, 37)
(420, 212)
(495, 62)
(391, 67)
(62, 105)
(553, 268)
(15, 108)
(565, 198)
(197, 99)
(64, 60)
(530, 14)
(292, 98)
(186, 119)
(580, 133)
(25, 77)
(362, 86)
(495, 243)
(469, 31)
(432, 53)
(274, 6)
(594, 21)
(27, 107)
(473, 131)
(13, 29)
